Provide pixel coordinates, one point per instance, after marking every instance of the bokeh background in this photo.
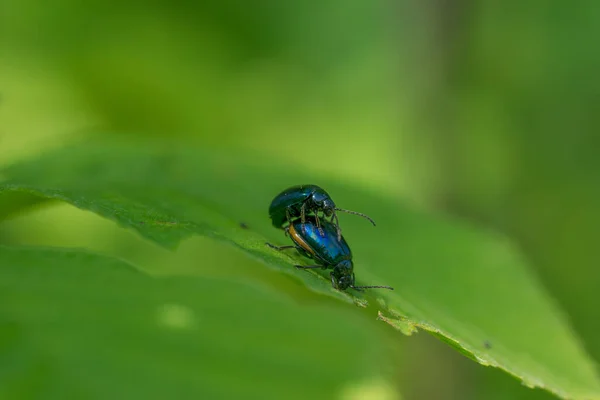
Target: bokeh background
(488, 110)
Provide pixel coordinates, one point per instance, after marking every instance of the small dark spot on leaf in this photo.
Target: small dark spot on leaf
(243, 225)
(487, 344)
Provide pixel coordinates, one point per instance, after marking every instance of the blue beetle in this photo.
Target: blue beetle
(328, 251)
(298, 201)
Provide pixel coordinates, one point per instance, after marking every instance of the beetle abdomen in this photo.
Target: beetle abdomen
(325, 247)
(291, 198)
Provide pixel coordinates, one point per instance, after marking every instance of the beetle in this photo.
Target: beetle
(328, 251)
(298, 201)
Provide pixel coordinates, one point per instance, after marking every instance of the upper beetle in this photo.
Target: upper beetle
(328, 251)
(299, 201)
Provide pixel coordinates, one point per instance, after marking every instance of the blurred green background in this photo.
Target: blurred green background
(480, 109)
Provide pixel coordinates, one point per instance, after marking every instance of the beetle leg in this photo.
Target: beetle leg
(309, 266)
(288, 216)
(337, 226)
(333, 281)
(280, 247)
(319, 225)
(303, 217)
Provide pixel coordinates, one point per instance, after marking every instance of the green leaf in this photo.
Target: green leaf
(17, 202)
(468, 287)
(80, 325)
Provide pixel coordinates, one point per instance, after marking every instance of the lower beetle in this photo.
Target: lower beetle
(329, 251)
(300, 200)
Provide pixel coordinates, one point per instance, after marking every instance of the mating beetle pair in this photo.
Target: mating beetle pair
(319, 240)
(298, 201)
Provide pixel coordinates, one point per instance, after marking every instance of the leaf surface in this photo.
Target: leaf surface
(469, 287)
(79, 325)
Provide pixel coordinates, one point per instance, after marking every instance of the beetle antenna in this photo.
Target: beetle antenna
(372, 287)
(356, 213)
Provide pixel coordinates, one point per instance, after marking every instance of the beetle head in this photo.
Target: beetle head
(342, 275)
(322, 201)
